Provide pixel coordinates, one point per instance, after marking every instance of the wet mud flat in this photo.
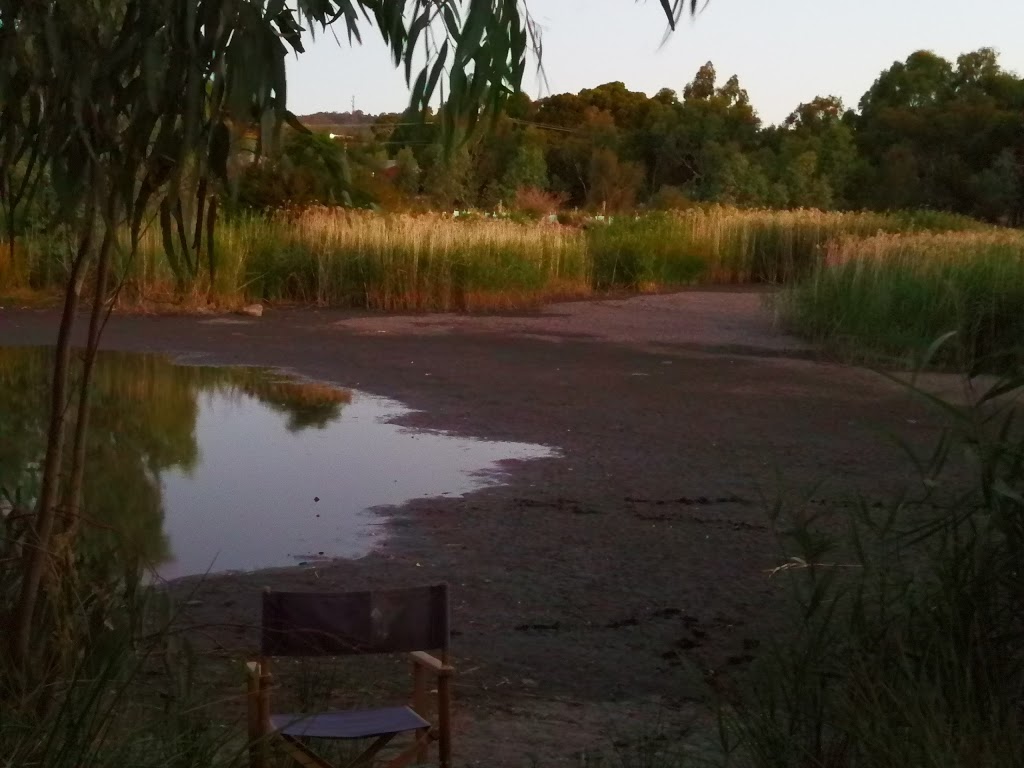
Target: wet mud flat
(616, 582)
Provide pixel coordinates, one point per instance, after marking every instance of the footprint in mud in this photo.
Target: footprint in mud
(538, 627)
(559, 504)
(666, 613)
(694, 637)
(660, 613)
(687, 501)
(744, 658)
(677, 654)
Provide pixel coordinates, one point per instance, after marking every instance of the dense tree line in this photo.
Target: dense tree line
(929, 133)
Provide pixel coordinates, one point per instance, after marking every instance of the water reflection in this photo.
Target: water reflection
(203, 468)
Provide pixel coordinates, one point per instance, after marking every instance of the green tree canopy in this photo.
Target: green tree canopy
(927, 133)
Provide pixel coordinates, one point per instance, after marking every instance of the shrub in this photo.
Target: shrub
(537, 203)
(669, 198)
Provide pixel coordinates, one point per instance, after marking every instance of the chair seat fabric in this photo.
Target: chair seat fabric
(356, 724)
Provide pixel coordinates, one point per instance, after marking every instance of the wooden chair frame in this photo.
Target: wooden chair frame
(263, 735)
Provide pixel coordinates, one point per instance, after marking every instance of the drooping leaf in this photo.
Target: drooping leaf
(220, 150)
(211, 220)
(295, 124)
(415, 30)
(178, 214)
(167, 238)
(435, 74)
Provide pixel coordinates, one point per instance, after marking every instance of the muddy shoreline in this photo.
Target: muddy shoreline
(630, 572)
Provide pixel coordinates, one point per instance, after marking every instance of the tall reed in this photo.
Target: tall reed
(884, 297)
(718, 244)
(330, 256)
(392, 262)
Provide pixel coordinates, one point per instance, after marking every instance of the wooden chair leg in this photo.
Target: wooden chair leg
(420, 703)
(257, 735)
(444, 721)
(307, 758)
(266, 682)
(423, 738)
(302, 754)
(367, 755)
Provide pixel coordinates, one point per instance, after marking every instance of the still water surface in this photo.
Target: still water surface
(196, 469)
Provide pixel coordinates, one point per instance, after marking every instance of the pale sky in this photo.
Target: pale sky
(784, 51)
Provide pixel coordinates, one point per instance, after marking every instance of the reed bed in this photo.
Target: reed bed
(400, 262)
(886, 297)
(718, 244)
(326, 256)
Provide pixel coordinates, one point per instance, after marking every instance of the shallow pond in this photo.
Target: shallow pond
(198, 468)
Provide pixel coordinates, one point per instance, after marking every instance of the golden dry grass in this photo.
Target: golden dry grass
(924, 249)
(431, 262)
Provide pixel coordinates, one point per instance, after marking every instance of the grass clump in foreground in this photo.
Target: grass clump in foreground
(881, 297)
(116, 687)
(905, 642)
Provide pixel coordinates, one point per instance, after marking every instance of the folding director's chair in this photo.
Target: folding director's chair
(412, 621)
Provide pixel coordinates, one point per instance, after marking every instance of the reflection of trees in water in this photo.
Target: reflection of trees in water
(142, 423)
(306, 404)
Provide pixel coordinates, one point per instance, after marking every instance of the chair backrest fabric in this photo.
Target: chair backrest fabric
(347, 623)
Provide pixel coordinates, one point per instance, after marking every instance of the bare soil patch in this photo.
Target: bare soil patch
(612, 583)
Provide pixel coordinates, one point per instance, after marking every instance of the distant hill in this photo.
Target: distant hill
(353, 119)
(334, 118)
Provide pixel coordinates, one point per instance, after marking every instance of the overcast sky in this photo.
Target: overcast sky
(784, 51)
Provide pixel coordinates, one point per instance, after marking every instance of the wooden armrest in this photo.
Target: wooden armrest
(254, 670)
(433, 663)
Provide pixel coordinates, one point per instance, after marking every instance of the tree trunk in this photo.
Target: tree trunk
(38, 550)
(73, 492)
